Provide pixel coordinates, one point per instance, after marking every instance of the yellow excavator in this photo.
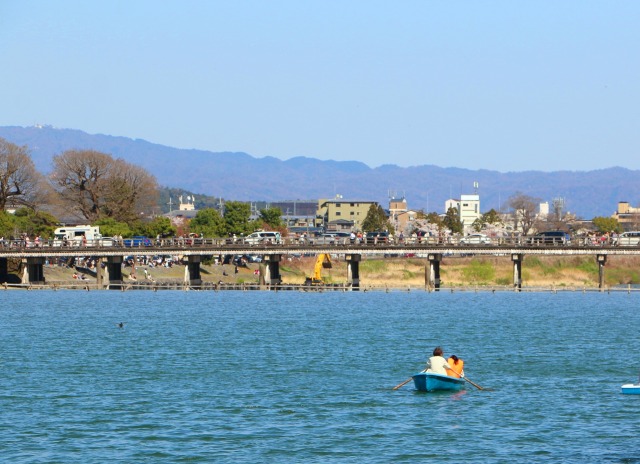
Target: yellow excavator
(323, 261)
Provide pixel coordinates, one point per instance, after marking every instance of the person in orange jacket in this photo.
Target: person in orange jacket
(456, 366)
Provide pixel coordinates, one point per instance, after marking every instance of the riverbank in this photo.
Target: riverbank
(464, 272)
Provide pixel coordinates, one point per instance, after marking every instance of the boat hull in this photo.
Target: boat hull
(631, 389)
(429, 382)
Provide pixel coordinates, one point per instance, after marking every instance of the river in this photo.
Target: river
(308, 377)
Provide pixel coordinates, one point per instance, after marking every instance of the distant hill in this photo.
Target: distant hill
(239, 176)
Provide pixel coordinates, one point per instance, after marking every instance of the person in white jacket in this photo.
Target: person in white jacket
(436, 363)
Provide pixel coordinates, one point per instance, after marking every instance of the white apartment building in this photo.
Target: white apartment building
(468, 207)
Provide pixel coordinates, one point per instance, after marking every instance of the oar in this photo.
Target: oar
(405, 382)
(474, 384)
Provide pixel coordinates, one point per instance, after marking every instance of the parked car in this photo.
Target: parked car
(106, 241)
(262, 237)
(628, 239)
(194, 239)
(242, 260)
(377, 237)
(326, 239)
(475, 239)
(137, 241)
(550, 237)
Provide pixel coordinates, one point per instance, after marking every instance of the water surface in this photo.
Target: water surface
(296, 377)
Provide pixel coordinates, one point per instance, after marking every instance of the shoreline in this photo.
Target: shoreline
(244, 287)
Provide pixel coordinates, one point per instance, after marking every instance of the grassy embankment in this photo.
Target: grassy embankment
(576, 271)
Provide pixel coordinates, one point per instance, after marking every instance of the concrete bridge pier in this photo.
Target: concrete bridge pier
(517, 270)
(353, 271)
(99, 276)
(270, 274)
(602, 259)
(112, 272)
(4, 270)
(33, 270)
(433, 278)
(193, 270)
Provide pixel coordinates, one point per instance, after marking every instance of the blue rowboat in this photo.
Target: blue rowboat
(430, 382)
(631, 389)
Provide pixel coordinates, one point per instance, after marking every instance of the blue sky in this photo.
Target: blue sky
(500, 85)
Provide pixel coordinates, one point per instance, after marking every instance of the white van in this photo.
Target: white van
(262, 237)
(75, 235)
(628, 239)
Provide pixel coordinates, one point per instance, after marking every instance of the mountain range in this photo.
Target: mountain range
(240, 176)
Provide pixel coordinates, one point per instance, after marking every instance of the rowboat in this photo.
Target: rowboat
(430, 382)
(631, 389)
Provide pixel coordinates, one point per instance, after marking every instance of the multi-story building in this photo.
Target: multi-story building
(627, 215)
(468, 207)
(397, 206)
(340, 214)
(400, 216)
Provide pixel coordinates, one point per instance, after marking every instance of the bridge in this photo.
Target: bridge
(193, 250)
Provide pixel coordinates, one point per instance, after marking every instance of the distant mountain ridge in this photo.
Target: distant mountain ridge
(240, 176)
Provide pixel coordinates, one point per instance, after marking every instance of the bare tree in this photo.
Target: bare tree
(524, 211)
(132, 191)
(20, 183)
(96, 186)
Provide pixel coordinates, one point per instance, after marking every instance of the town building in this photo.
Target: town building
(186, 211)
(400, 216)
(340, 215)
(627, 215)
(297, 213)
(404, 220)
(397, 206)
(543, 210)
(468, 207)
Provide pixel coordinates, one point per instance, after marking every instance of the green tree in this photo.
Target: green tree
(272, 217)
(376, 220)
(109, 227)
(452, 221)
(34, 222)
(159, 225)
(7, 225)
(421, 214)
(490, 217)
(237, 216)
(208, 222)
(607, 224)
(435, 219)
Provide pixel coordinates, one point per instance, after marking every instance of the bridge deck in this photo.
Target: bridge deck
(364, 250)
